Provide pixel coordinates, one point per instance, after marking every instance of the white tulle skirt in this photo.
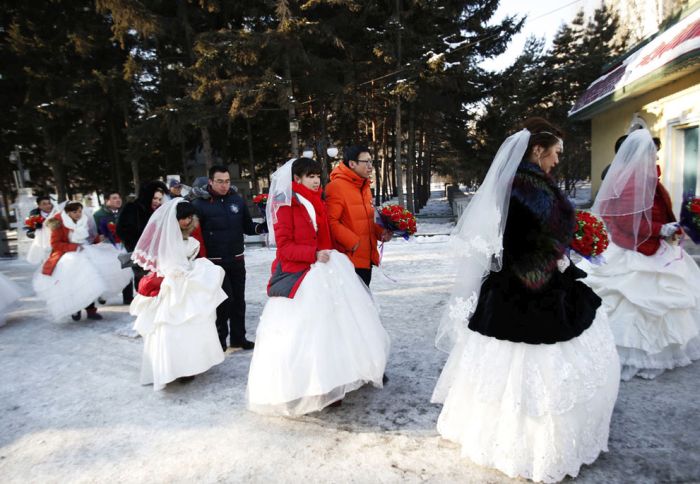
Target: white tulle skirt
(75, 284)
(40, 248)
(80, 278)
(9, 295)
(104, 257)
(179, 325)
(653, 304)
(312, 350)
(532, 411)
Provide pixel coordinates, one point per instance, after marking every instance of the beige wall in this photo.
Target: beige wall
(676, 103)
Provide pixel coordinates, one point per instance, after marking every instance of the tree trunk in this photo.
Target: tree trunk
(385, 163)
(251, 157)
(397, 154)
(206, 148)
(421, 165)
(294, 135)
(59, 175)
(114, 154)
(410, 157)
(322, 147)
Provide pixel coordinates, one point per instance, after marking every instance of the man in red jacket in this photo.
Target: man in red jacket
(351, 212)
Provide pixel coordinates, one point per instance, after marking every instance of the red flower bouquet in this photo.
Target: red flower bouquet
(590, 237)
(261, 201)
(397, 219)
(33, 222)
(690, 217)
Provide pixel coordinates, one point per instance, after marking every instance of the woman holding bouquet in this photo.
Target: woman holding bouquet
(648, 285)
(319, 336)
(79, 268)
(176, 306)
(532, 377)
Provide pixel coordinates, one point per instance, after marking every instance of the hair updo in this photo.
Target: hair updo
(542, 133)
(72, 207)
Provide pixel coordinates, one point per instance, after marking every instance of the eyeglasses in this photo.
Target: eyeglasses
(369, 162)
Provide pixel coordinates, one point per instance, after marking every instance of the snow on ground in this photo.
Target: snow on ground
(72, 408)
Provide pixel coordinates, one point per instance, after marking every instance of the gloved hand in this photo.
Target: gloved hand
(669, 229)
(261, 228)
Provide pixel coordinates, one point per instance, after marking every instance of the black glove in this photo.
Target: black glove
(261, 228)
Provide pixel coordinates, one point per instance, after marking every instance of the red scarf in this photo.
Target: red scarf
(324, 234)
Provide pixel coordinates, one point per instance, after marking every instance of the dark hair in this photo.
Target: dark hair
(352, 153)
(305, 166)
(72, 207)
(184, 210)
(42, 198)
(619, 142)
(657, 142)
(217, 169)
(112, 192)
(148, 189)
(542, 133)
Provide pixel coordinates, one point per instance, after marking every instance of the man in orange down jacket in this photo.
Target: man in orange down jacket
(351, 212)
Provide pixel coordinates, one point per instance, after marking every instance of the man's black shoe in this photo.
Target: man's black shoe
(245, 344)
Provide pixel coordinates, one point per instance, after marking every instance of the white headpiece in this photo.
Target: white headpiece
(478, 238)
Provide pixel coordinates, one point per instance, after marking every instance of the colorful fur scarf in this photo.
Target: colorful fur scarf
(539, 228)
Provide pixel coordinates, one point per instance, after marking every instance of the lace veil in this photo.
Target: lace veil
(477, 240)
(626, 196)
(161, 248)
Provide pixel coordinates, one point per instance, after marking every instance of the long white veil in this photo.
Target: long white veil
(279, 195)
(477, 240)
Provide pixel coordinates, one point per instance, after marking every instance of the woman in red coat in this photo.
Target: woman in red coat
(648, 284)
(319, 336)
(76, 272)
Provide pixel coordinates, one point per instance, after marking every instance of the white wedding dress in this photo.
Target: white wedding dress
(653, 304)
(9, 295)
(81, 277)
(178, 325)
(313, 349)
(538, 411)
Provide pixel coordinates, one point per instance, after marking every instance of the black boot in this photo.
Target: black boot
(75, 316)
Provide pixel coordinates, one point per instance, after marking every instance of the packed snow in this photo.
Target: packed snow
(73, 410)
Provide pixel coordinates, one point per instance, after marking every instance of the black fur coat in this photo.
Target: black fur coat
(530, 300)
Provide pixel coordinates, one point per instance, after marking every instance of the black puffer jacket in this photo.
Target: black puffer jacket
(135, 215)
(224, 220)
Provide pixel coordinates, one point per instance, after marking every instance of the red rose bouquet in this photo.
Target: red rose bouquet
(590, 237)
(690, 217)
(261, 201)
(33, 222)
(397, 219)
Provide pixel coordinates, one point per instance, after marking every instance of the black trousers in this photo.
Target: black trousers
(230, 315)
(128, 293)
(365, 275)
(139, 272)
